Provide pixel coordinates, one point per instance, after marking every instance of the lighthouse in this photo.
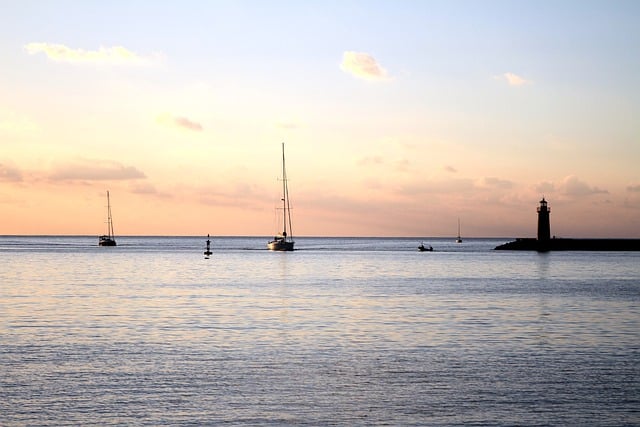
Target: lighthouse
(544, 229)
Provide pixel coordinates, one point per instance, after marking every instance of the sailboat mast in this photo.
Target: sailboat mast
(109, 219)
(286, 196)
(286, 207)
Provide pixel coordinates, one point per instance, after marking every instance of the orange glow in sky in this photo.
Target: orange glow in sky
(398, 118)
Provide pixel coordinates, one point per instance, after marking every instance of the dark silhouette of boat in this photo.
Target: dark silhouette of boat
(108, 239)
(458, 239)
(423, 248)
(284, 241)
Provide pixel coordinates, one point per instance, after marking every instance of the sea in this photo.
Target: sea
(340, 332)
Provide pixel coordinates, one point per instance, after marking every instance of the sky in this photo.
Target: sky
(398, 117)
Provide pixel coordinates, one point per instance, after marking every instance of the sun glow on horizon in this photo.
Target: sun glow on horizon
(395, 125)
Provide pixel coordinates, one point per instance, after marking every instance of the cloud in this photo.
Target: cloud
(496, 182)
(10, 173)
(145, 188)
(363, 66)
(513, 79)
(187, 124)
(243, 194)
(450, 169)
(371, 160)
(634, 188)
(447, 186)
(572, 186)
(95, 170)
(116, 55)
(180, 122)
(545, 187)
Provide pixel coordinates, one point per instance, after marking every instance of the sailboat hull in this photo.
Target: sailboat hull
(280, 245)
(106, 241)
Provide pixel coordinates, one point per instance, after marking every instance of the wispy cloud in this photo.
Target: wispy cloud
(450, 169)
(10, 173)
(143, 188)
(572, 186)
(183, 122)
(634, 188)
(363, 66)
(371, 160)
(243, 194)
(513, 79)
(94, 170)
(180, 122)
(116, 55)
(148, 189)
(445, 186)
(545, 187)
(494, 182)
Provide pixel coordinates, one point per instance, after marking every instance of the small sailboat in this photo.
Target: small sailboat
(208, 251)
(458, 239)
(108, 239)
(283, 241)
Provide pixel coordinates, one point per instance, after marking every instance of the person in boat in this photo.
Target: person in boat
(422, 248)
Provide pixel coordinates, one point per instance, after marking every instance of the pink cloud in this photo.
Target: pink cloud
(94, 170)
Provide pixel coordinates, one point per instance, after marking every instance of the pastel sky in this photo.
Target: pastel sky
(399, 117)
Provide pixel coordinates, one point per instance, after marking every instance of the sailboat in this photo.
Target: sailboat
(458, 239)
(283, 241)
(108, 239)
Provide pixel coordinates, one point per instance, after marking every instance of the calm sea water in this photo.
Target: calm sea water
(339, 332)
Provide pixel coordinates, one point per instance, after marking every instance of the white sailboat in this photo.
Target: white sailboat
(283, 241)
(458, 239)
(108, 239)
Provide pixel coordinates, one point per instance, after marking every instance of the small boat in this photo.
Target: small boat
(283, 241)
(458, 239)
(208, 251)
(423, 248)
(108, 239)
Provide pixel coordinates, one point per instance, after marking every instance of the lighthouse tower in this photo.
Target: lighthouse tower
(544, 229)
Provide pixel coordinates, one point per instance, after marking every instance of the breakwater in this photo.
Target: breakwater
(562, 244)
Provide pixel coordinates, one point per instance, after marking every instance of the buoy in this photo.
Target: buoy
(208, 251)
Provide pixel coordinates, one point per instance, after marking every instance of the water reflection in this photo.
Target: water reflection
(317, 337)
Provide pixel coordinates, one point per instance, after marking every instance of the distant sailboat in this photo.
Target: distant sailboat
(108, 239)
(459, 239)
(283, 241)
